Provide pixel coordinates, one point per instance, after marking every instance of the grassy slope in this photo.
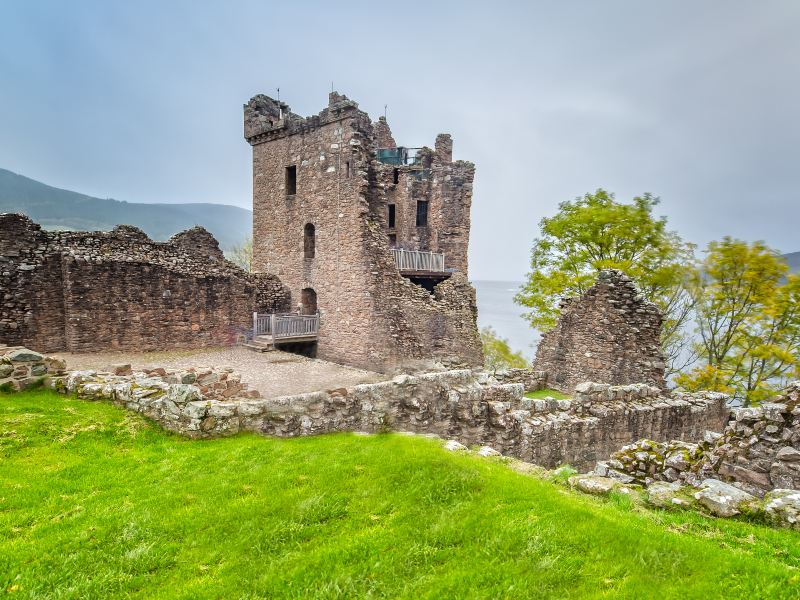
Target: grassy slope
(97, 503)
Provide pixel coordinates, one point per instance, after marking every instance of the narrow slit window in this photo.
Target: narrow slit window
(291, 180)
(347, 169)
(392, 216)
(422, 213)
(309, 241)
(396, 176)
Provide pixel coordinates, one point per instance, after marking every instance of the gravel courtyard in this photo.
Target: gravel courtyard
(273, 373)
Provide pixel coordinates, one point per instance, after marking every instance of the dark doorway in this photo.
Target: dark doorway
(308, 298)
(392, 216)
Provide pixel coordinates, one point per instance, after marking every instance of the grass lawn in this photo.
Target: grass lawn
(542, 394)
(96, 502)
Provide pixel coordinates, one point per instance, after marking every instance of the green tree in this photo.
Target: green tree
(596, 232)
(498, 354)
(748, 321)
(242, 254)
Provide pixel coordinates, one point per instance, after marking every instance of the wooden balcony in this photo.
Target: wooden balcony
(418, 262)
(270, 330)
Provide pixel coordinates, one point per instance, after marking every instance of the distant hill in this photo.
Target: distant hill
(54, 208)
(793, 260)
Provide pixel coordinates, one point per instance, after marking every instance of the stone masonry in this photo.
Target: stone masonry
(450, 404)
(320, 198)
(119, 290)
(21, 368)
(609, 335)
(758, 451)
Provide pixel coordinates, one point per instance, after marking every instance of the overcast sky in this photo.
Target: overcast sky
(697, 102)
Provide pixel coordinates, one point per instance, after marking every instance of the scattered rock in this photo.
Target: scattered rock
(593, 484)
(454, 446)
(666, 495)
(722, 499)
(782, 507)
(487, 451)
(121, 369)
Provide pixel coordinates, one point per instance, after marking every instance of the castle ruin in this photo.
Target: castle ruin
(371, 235)
(119, 290)
(611, 334)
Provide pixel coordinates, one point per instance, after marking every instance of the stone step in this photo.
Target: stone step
(257, 347)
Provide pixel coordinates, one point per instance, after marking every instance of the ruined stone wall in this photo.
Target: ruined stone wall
(451, 404)
(758, 451)
(21, 369)
(119, 290)
(610, 335)
(371, 317)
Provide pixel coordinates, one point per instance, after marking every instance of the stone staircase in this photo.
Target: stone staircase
(260, 343)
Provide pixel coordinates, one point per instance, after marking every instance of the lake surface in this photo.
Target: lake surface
(496, 308)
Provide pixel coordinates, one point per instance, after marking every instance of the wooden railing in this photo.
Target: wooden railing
(286, 326)
(416, 260)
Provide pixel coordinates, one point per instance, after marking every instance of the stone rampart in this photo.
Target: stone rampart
(758, 450)
(119, 290)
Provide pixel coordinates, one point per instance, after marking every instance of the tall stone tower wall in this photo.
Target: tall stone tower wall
(319, 225)
(609, 335)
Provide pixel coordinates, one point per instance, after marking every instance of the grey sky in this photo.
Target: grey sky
(694, 101)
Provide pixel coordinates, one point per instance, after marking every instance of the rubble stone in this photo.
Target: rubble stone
(722, 499)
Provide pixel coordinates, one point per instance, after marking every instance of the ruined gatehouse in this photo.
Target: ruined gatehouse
(371, 235)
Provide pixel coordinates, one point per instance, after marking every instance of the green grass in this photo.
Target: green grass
(542, 394)
(96, 502)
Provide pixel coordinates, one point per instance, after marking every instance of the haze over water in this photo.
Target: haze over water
(496, 309)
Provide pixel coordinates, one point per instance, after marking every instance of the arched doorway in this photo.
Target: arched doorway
(308, 300)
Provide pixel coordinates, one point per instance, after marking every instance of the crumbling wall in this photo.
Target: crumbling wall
(21, 368)
(371, 317)
(450, 404)
(610, 335)
(119, 290)
(757, 451)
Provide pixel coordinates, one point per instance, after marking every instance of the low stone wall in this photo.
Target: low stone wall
(759, 450)
(21, 368)
(451, 404)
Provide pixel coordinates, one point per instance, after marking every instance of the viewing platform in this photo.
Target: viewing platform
(270, 330)
(423, 268)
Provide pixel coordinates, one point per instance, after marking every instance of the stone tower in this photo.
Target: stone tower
(322, 187)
